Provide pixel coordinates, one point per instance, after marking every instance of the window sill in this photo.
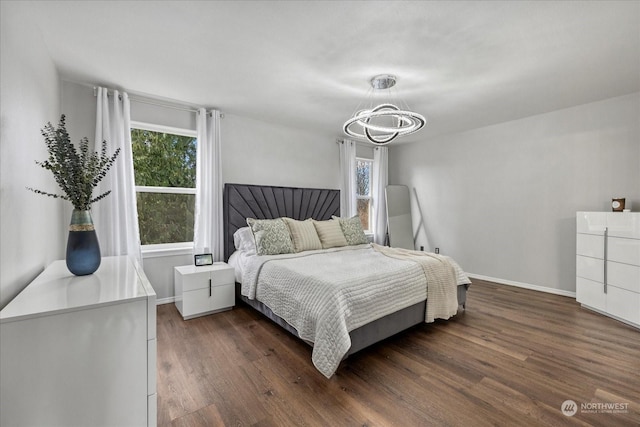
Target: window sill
(168, 249)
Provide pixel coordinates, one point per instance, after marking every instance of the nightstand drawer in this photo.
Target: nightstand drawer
(198, 302)
(223, 296)
(224, 276)
(190, 278)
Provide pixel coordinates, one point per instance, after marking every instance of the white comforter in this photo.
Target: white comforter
(326, 294)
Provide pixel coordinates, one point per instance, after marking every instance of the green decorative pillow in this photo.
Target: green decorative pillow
(303, 234)
(352, 230)
(271, 235)
(330, 233)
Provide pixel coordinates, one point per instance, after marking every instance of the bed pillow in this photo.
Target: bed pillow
(330, 233)
(271, 235)
(352, 230)
(243, 240)
(303, 234)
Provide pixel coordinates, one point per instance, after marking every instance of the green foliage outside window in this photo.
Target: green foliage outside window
(164, 160)
(165, 218)
(363, 176)
(363, 188)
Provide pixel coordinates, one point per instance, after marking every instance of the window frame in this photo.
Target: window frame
(175, 248)
(368, 197)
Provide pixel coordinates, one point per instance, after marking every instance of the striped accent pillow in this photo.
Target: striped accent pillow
(303, 234)
(330, 233)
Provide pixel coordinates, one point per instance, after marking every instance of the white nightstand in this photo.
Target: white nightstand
(204, 290)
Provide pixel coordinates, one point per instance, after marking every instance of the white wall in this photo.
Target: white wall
(502, 199)
(32, 227)
(253, 152)
(256, 152)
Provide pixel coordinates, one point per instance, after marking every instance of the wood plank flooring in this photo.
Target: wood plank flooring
(511, 359)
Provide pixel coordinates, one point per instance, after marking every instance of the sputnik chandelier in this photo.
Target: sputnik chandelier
(384, 122)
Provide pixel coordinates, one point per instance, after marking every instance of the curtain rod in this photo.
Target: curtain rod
(160, 104)
(362, 144)
(148, 101)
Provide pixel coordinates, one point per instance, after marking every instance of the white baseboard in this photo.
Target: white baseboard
(171, 300)
(168, 300)
(524, 285)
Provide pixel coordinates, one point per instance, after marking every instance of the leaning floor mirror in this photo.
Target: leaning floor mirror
(399, 223)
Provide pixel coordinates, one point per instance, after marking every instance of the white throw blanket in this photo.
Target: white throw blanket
(442, 290)
(326, 294)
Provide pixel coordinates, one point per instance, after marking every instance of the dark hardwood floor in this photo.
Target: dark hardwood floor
(511, 359)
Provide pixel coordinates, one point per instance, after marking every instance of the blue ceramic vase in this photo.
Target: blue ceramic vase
(83, 250)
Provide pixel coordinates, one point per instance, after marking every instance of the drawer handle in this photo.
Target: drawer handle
(606, 247)
(210, 287)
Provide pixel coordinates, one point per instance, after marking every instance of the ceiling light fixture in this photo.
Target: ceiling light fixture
(384, 122)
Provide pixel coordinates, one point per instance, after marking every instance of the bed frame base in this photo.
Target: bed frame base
(370, 333)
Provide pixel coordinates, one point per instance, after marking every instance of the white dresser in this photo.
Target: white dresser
(608, 263)
(80, 350)
(205, 289)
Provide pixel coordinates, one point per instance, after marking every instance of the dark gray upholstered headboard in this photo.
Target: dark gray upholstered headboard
(266, 202)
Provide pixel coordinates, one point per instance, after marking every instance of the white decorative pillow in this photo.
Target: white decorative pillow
(243, 240)
(271, 235)
(352, 229)
(330, 233)
(303, 234)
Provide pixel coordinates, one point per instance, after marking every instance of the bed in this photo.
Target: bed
(256, 274)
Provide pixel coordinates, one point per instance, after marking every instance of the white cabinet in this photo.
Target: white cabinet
(608, 263)
(80, 350)
(204, 290)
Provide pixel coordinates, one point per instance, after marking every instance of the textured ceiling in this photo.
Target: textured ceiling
(307, 64)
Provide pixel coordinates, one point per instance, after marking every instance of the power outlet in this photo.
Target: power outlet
(437, 250)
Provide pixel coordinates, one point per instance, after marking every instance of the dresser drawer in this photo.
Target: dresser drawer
(623, 276)
(624, 224)
(623, 304)
(624, 250)
(590, 268)
(590, 245)
(591, 294)
(591, 222)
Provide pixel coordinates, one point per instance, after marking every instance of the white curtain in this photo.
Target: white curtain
(380, 181)
(348, 204)
(208, 232)
(116, 216)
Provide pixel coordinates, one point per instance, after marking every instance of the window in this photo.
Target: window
(363, 191)
(164, 163)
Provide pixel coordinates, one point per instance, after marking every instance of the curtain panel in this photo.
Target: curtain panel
(380, 181)
(348, 203)
(116, 217)
(208, 231)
